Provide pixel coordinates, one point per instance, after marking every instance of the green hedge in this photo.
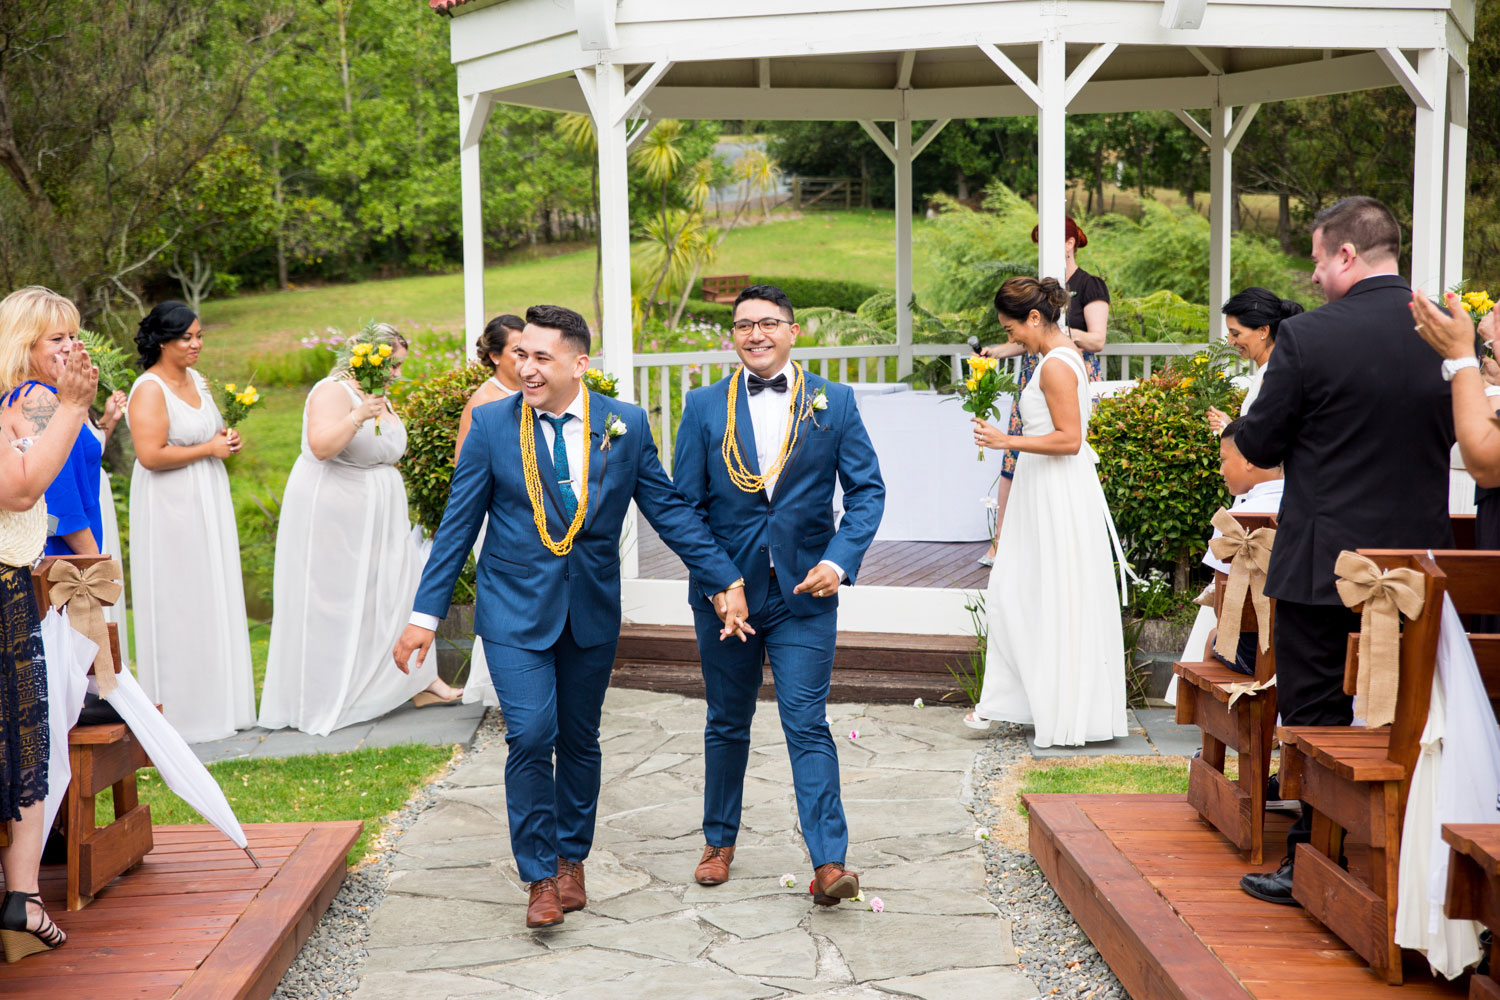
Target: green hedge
(430, 408)
(806, 293)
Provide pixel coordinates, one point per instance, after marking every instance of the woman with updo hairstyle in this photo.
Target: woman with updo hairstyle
(1251, 319)
(192, 637)
(496, 351)
(346, 566)
(1056, 655)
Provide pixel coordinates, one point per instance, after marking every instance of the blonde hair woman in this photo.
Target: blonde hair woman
(191, 635)
(346, 566)
(28, 466)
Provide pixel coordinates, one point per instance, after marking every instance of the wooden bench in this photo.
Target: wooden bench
(1474, 890)
(1356, 779)
(724, 287)
(104, 756)
(1236, 808)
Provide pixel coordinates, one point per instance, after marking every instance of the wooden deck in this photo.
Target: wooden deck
(886, 564)
(195, 920)
(1157, 891)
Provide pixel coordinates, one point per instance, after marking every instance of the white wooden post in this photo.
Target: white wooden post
(617, 341)
(1428, 174)
(1456, 185)
(1052, 198)
(1221, 205)
(473, 113)
(903, 160)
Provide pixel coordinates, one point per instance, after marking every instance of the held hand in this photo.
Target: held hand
(821, 581)
(78, 382)
(1491, 371)
(373, 406)
(414, 639)
(1450, 332)
(1217, 420)
(987, 435)
(219, 445)
(734, 613)
(234, 441)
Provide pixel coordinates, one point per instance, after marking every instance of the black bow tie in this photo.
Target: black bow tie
(777, 384)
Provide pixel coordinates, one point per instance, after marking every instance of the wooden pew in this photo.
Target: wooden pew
(1356, 779)
(1236, 808)
(1474, 890)
(724, 287)
(105, 756)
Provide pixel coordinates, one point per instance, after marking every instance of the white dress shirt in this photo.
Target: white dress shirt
(572, 444)
(1263, 498)
(769, 413)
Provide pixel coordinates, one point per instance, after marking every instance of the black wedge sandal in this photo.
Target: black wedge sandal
(19, 941)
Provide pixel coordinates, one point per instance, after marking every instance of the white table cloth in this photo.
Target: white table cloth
(935, 487)
(863, 389)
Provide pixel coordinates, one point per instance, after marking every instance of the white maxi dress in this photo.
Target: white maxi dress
(114, 612)
(191, 636)
(1056, 657)
(346, 574)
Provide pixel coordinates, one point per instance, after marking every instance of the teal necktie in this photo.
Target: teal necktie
(560, 466)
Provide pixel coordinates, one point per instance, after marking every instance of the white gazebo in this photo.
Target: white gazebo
(628, 63)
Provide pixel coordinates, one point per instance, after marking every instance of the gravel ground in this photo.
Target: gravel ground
(328, 966)
(1054, 952)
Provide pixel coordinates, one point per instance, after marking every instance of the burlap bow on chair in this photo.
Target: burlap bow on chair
(1249, 556)
(85, 592)
(1385, 596)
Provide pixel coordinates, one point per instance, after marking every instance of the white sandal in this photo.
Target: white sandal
(975, 722)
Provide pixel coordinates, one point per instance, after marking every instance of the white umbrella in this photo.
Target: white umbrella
(175, 761)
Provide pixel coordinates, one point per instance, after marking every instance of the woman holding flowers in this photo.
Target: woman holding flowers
(1251, 319)
(346, 566)
(1056, 656)
(192, 639)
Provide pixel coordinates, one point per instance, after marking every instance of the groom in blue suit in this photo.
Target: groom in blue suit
(555, 467)
(759, 453)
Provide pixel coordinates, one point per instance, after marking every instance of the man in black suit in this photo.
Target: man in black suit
(1358, 411)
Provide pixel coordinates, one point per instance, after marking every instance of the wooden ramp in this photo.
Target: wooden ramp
(195, 920)
(1157, 891)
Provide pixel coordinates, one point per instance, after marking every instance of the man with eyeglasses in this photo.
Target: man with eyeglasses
(759, 453)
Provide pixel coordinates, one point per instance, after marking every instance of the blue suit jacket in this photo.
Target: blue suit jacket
(525, 593)
(795, 524)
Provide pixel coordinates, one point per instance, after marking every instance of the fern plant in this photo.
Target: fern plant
(115, 371)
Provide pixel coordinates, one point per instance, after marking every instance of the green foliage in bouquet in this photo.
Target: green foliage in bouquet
(431, 409)
(1159, 467)
(1205, 377)
(112, 360)
(604, 384)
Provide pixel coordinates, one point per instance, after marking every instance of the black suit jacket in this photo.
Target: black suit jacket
(1354, 405)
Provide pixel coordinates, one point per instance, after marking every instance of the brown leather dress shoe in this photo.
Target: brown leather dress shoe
(833, 882)
(570, 885)
(544, 909)
(713, 867)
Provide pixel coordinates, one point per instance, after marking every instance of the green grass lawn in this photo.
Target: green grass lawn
(856, 245)
(1103, 775)
(365, 785)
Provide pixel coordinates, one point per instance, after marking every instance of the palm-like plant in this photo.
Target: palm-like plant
(577, 130)
(660, 158)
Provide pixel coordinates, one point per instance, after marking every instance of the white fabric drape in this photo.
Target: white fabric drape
(111, 546)
(68, 655)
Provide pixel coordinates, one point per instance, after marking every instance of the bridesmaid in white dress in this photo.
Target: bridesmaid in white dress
(1056, 656)
(496, 353)
(346, 567)
(192, 637)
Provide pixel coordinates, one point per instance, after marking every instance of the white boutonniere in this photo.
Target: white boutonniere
(816, 403)
(613, 427)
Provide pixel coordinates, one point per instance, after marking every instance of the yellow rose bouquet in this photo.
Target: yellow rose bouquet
(1477, 303)
(983, 387)
(605, 385)
(235, 403)
(369, 364)
(1206, 378)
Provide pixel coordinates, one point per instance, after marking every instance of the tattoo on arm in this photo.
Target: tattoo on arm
(37, 409)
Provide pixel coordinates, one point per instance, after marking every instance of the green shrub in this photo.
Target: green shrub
(1162, 317)
(431, 408)
(1159, 467)
(805, 293)
(302, 366)
(721, 313)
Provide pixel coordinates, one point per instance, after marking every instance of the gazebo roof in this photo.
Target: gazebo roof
(927, 59)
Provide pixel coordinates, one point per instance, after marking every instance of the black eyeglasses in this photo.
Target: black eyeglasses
(767, 324)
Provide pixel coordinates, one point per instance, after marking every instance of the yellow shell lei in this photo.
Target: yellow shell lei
(534, 479)
(739, 474)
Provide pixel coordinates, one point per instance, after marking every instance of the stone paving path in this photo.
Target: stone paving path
(452, 924)
(436, 725)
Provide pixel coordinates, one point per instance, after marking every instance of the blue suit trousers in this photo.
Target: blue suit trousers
(801, 655)
(552, 700)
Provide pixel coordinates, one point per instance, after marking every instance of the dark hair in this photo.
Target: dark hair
(1018, 296)
(1364, 222)
(496, 335)
(1257, 307)
(575, 332)
(1231, 428)
(767, 293)
(167, 322)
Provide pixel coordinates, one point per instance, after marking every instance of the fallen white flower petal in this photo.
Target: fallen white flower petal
(788, 880)
(918, 704)
(981, 833)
